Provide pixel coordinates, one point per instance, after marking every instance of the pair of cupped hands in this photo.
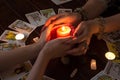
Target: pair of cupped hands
(67, 46)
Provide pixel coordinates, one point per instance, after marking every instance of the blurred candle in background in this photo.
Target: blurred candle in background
(93, 64)
(19, 36)
(110, 55)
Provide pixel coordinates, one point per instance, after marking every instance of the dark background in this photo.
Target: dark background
(10, 10)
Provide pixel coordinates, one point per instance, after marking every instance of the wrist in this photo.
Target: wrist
(101, 26)
(38, 47)
(82, 12)
(45, 53)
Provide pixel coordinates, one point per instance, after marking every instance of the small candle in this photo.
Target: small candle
(63, 31)
(19, 36)
(110, 55)
(93, 64)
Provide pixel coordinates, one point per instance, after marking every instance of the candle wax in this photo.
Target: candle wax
(63, 31)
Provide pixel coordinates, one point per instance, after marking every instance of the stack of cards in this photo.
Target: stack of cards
(58, 2)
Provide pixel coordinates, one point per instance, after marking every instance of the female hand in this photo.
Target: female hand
(57, 47)
(64, 18)
(44, 37)
(83, 34)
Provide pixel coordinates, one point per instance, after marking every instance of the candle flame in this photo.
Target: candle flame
(63, 31)
(63, 28)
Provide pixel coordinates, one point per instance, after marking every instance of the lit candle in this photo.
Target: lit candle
(19, 36)
(63, 31)
(93, 64)
(110, 55)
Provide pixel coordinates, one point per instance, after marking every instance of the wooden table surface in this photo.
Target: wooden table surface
(10, 10)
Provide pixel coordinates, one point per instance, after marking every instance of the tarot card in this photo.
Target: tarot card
(113, 69)
(102, 76)
(22, 27)
(58, 2)
(18, 72)
(60, 10)
(10, 46)
(9, 36)
(35, 18)
(112, 37)
(47, 13)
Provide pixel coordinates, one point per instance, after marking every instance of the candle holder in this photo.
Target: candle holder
(55, 33)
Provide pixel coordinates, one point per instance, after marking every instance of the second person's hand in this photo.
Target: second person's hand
(64, 18)
(83, 34)
(57, 47)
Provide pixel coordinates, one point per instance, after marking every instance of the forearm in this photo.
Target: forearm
(39, 67)
(18, 55)
(112, 23)
(94, 8)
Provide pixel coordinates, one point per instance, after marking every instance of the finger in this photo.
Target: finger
(79, 30)
(53, 18)
(65, 39)
(74, 51)
(78, 51)
(63, 20)
(79, 39)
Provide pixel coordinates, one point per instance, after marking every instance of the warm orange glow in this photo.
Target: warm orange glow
(63, 31)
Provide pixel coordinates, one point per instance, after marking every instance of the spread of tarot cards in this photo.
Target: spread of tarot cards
(38, 19)
(111, 72)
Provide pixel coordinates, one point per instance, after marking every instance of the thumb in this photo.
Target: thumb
(66, 39)
(79, 38)
(78, 30)
(52, 19)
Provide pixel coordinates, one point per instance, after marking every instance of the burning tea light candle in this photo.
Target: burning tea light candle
(110, 55)
(93, 64)
(19, 36)
(63, 31)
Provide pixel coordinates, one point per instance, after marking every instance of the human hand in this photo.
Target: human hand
(78, 49)
(64, 18)
(44, 37)
(57, 47)
(83, 34)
